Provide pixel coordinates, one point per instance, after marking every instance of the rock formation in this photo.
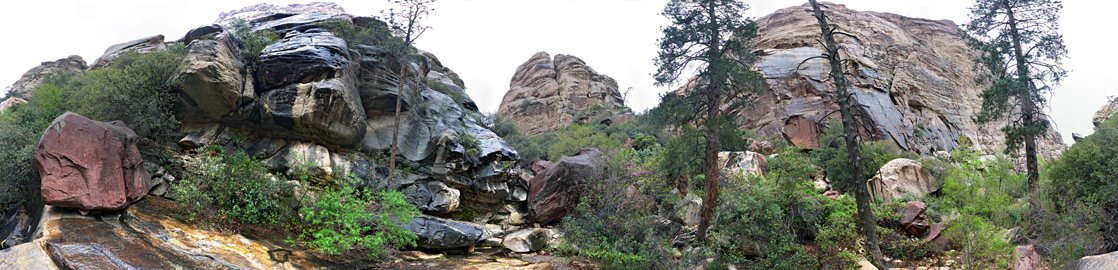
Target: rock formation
(547, 94)
(90, 165)
(914, 219)
(899, 177)
(554, 191)
(38, 75)
(143, 45)
(913, 77)
(1105, 112)
(11, 102)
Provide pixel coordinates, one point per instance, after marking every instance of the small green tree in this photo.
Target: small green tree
(709, 36)
(1021, 52)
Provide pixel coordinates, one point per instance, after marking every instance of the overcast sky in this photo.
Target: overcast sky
(485, 40)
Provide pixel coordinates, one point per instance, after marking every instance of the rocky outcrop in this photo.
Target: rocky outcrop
(554, 191)
(1026, 258)
(742, 163)
(688, 210)
(912, 77)
(145, 236)
(90, 165)
(143, 45)
(547, 94)
(528, 240)
(441, 233)
(1105, 112)
(38, 75)
(899, 177)
(213, 81)
(11, 102)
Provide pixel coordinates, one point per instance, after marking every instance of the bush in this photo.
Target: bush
(758, 216)
(344, 219)
(136, 88)
(832, 156)
(440, 87)
(20, 129)
(612, 227)
(236, 187)
(252, 42)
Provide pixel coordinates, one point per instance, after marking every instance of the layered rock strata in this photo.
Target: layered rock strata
(547, 94)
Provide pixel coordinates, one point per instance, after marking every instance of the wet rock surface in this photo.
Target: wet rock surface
(528, 240)
(90, 165)
(441, 233)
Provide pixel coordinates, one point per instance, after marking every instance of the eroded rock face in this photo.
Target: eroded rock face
(554, 191)
(37, 75)
(213, 81)
(914, 77)
(744, 163)
(90, 165)
(441, 233)
(546, 94)
(899, 177)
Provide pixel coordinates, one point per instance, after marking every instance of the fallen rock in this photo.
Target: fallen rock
(38, 75)
(899, 177)
(546, 94)
(688, 210)
(440, 233)
(1097, 262)
(1025, 258)
(432, 196)
(913, 219)
(528, 240)
(143, 45)
(936, 237)
(90, 165)
(748, 163)
(554, 191)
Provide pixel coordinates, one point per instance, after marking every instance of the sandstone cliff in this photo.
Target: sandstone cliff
(40, 74)
(547, 94)
(913, 77)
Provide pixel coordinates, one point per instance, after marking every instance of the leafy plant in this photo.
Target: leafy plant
(344, 218)
(234, 186)
(252, 42)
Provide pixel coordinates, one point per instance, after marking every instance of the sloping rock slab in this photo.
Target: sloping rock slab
(90, 165)
(441, 233)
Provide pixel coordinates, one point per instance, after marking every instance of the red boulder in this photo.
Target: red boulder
(554, 190)
(90, 165)
(914, 220)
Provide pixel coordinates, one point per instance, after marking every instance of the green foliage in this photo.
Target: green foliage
(234, 186)
(471, 143)
(613, 227)
(252, 42)
(831, 155)
(838, 230)
(344, 218)
(985, 196)
(20, 129)
(758, 216)
(980, 243)
(375, 35)
(136, 88)
(441, 87)
(895, 245)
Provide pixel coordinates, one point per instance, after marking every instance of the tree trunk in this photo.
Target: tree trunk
(850, 134)
(1029, 109)
(396, 126)
(710, 201)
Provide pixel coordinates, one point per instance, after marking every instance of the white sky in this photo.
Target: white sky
(485, 40)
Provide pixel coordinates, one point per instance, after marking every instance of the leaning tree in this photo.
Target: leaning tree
(1020, 61)
(709, 38)
(407, 23)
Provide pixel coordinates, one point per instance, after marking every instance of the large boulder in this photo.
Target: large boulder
(1025, 258)
(300, 59)
(441, 233)
(90, 165)
(1097, 262)
(914, 220)
(528, 240)
(39, 74)
(432, 196)
(143, 45)
(744, 163)
(899, 177)
(688, 210)
(554, 191)
(213, 81)
(547, 94)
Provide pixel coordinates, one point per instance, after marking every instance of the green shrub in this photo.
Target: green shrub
(344, 218)
(896, 245)
(984, 195)
(471, 143)
(252, 42)
(838, 230)
(440, 87)
(234, 186)
(757, 216)
(136, 88)
(831, 155)
(20, 129)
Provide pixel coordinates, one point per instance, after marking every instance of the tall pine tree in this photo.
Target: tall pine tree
(1021, 52)
(708, 37)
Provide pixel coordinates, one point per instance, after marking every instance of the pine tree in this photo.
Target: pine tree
(1021, 52)
(850, 133)
(710, 37)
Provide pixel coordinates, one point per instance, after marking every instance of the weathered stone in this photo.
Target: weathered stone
(1025, 257)
(440, 233)
(26, 256)
(324, 111)
(38, 75)
(914, 221)
(268, 12)
(143, 45)
(1105, 112)
(90, 165)
(936, 237)
(688, 210)
(528, 240)
(213, 82)
(1096, 262)
(554, 191)
(432, 196)
(202, 31)
(899, 177)
(744, 163)
(301, 59)
(11, 102)
(547, 94)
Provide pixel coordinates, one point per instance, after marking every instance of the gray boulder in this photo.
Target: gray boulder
(432, 196)
(528, 240)
(213, 81)
(440, 233)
